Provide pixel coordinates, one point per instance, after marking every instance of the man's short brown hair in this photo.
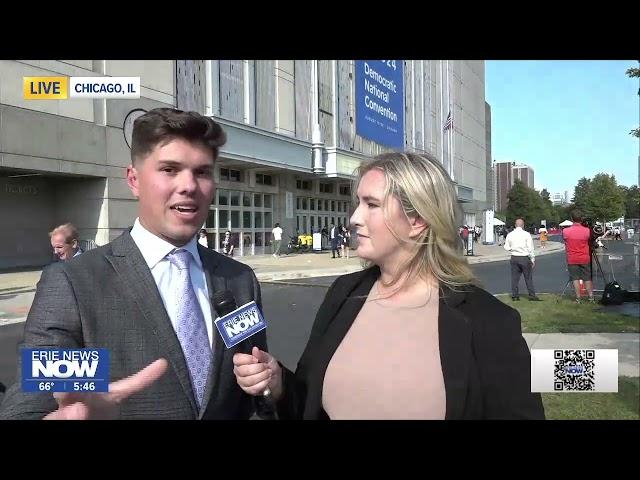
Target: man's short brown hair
(162, 125)
(576, 216)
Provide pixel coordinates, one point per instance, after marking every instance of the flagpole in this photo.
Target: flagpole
(441, 114)
(450, 138)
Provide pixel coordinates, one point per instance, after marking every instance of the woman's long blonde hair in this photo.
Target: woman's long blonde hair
(424, 190)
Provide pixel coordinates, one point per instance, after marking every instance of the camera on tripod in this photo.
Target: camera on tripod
(597, 234)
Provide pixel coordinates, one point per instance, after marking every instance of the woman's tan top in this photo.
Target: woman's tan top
(388, 364)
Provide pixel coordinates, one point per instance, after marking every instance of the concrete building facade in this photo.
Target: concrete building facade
(291, 152)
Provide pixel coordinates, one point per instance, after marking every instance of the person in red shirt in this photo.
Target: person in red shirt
(576, 241)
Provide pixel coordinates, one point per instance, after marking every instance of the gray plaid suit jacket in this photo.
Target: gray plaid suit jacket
(107, 298)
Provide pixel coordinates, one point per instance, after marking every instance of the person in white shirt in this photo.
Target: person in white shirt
(202, 238)
(520, 244)
(277, 239)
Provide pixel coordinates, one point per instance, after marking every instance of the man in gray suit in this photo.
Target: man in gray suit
(146, 296)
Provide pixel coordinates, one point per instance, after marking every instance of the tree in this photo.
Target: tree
(631, 201)
(548, 212)
(581, 194)
(632, 73)
(606, 200)
(518, 202)
(525, 203)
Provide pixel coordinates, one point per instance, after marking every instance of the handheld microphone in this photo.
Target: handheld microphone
(224, 303)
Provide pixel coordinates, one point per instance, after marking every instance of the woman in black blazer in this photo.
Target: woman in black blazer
(411, 336)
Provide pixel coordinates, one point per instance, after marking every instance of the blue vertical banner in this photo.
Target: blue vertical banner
(380, 101)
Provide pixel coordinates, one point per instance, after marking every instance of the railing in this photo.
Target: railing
(86, 245)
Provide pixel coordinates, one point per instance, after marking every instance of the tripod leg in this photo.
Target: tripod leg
(569, 282)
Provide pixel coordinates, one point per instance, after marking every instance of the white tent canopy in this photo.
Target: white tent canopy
(497, 221)
(566, 223)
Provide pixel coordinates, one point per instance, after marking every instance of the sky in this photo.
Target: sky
(565, 119)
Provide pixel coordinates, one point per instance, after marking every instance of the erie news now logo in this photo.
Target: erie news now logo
(62, 88)
(240, 324)
(65, 370)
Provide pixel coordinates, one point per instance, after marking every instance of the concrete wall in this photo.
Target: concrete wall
(26, 212)
(77, 144)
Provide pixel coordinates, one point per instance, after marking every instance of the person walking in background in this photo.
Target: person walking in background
(277, 239)
(65, 242)
(202, 238)
(346, 241)
(544, 236)
(335, 241)
(227, 244)
(520, 244)
(465, 238)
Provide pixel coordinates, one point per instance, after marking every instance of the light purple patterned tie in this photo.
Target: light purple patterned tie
(190, 326)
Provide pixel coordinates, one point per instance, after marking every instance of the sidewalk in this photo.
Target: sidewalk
(286, 267)
(298, 265)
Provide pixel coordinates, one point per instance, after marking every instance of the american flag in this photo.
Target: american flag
(449, 123)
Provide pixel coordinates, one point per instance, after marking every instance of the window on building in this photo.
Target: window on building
(235, 219)
(257, 200)
(326, 187)
(235, 198)
(223, 219)
(246, 199)
(303, 184)
(246, 219)
(263, 179)
(267, 201)
(223, 197)
(230, 175)
(211, 219)
(345, 189)
(259, 239)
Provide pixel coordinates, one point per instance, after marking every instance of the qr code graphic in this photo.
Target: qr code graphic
(573, 370)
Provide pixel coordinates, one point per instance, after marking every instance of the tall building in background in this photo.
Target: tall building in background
(560, 198)
(524, 173)
(503, 183)
(491, 191)
(505, 173)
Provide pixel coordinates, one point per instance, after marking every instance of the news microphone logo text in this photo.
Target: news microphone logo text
(65, 370)
(240, 324)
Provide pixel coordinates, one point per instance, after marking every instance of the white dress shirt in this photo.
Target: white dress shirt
(520, 244)
(155, 251)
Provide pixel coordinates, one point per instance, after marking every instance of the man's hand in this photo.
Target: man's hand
(257, 372)
(105, 406)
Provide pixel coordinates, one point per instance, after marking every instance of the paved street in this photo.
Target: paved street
(290, 305)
